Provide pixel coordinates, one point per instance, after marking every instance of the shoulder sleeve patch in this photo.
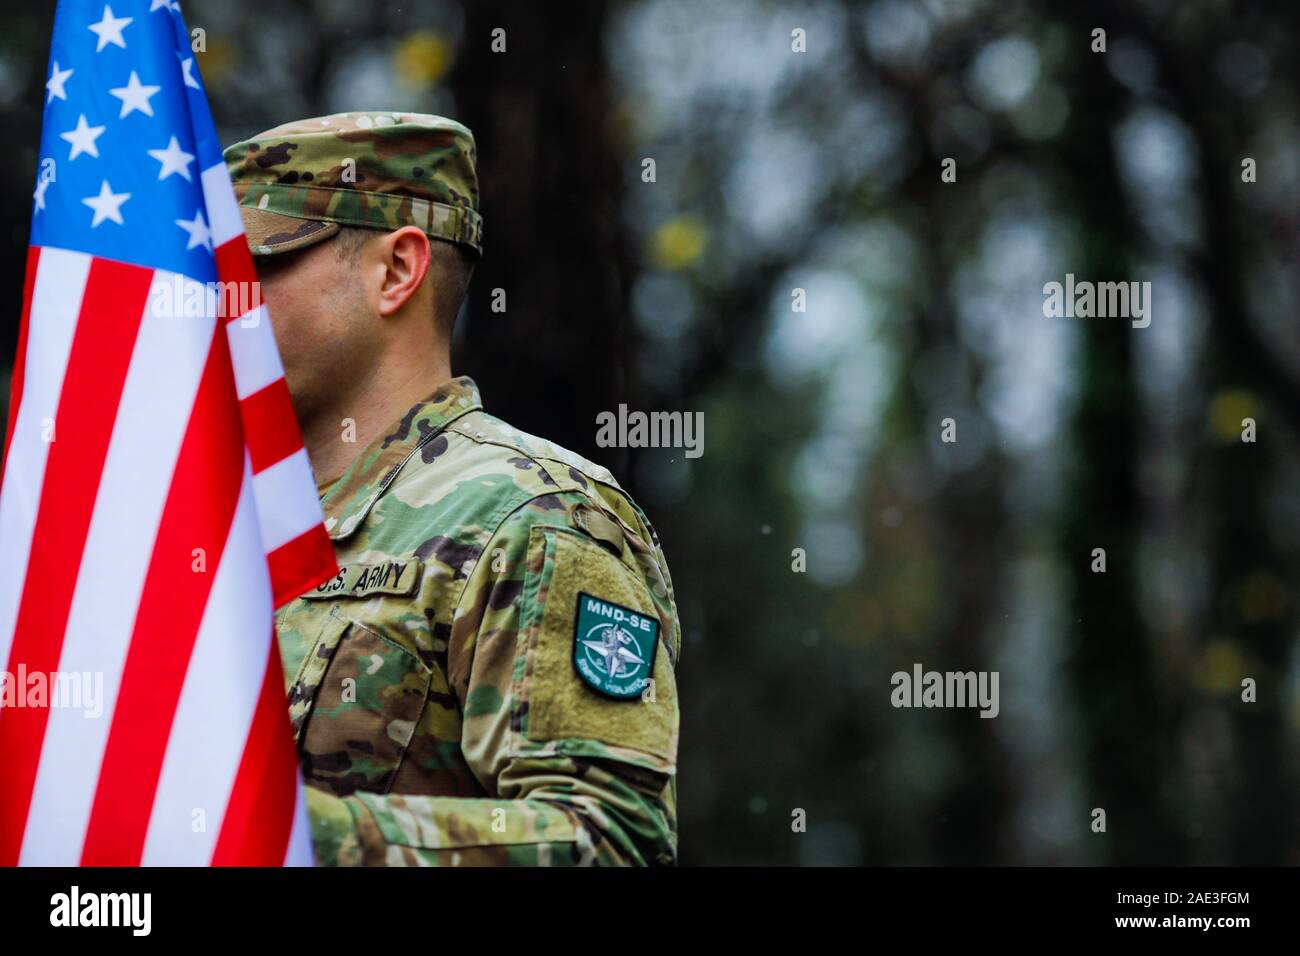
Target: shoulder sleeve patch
(592, 679)
(614, 647)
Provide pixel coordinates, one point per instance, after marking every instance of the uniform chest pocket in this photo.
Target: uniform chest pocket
(354, 706)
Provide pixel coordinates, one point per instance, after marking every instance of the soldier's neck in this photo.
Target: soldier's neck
(337, 433)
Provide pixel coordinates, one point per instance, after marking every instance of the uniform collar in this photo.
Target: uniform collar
(348, 500)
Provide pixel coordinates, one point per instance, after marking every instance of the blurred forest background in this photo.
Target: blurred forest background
(779, 170)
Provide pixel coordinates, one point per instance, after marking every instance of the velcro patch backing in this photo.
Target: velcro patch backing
(562, 703)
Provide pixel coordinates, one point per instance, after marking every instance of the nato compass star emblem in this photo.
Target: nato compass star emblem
(614, 647)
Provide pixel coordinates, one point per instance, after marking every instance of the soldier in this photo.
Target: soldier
(490, 677)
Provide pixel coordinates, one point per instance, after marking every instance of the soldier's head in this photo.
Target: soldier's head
(365, 230)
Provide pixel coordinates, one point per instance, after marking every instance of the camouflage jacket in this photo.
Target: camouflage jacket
(483, 682)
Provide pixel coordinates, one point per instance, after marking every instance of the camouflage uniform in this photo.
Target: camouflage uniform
(456, 694)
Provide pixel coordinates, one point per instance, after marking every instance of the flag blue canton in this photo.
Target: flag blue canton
(125, 139)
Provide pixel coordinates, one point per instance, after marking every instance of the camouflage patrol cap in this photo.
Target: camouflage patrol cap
(299, 182)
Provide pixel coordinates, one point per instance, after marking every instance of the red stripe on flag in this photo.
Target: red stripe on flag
(107, 327)
(235, 264)
(20, 356)
(198, 513)
(259, 815)
(302, 563)
(270, 428)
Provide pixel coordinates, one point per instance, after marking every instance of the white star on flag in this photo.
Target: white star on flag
(187, 65)
(197, 227)
(83, 138)
(55, 83)
(135, 96)
(173, 159)
(107, 205)
(109, 29)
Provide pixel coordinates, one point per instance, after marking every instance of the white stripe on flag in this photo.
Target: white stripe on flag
(300, 851)
(286, 500)
(253, 353)
(216, 706)
(223, 212)
(157, 397)
(56, 304)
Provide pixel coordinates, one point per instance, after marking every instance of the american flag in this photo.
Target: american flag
(157, 503)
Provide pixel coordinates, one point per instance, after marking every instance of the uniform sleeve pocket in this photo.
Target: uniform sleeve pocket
(595, 681)
(360, 697)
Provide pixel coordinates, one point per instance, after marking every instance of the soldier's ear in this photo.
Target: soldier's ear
(404, 255)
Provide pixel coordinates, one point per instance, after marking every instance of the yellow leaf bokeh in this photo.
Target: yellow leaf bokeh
(421, 59)
(1227, 409)
(217, 61)
(1221, 667)
(678, 243)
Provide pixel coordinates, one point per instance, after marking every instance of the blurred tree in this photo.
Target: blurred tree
(552, 191)
(1128, 743)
